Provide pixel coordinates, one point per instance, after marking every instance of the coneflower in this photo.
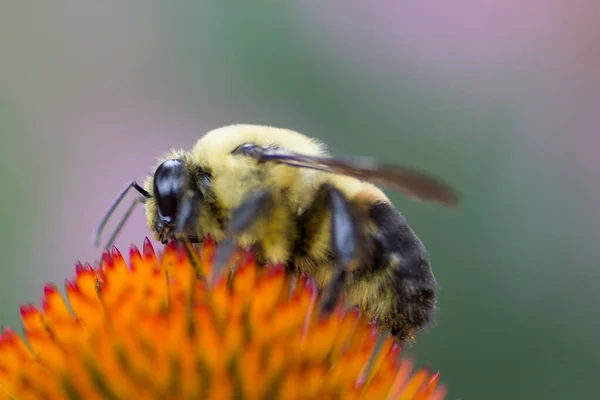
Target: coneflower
(151, 329)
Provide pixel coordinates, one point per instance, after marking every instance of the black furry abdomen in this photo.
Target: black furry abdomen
(397, 263)
(391, 283)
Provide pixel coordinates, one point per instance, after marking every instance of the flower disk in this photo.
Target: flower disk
(154, 329)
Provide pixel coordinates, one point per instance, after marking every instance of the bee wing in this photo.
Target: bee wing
(410, 182)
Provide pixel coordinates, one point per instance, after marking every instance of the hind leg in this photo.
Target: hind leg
(345, 245)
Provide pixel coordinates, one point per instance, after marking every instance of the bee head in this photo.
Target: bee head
(170, 181)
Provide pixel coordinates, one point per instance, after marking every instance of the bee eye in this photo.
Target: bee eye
(169, 183)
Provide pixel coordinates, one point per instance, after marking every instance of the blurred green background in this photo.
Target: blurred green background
(498, 98)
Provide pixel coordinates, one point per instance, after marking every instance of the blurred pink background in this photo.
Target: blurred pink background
(505, 95)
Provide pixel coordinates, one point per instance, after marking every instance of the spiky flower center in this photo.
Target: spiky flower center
(152, 329)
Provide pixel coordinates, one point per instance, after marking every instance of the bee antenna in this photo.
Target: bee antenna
(113, 207)
(124, 219)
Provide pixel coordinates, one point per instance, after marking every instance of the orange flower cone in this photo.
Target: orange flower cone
(153, 330)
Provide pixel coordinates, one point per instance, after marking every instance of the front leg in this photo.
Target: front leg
(345, 241)
(258, 205)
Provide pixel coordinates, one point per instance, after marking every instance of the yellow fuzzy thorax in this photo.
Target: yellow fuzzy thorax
(234, 177)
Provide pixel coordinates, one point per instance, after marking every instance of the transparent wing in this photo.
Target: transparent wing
(410, 182)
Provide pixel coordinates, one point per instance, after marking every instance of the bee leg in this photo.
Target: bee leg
(257, 205)
(346, 235)
(184, 214)
(334, 291)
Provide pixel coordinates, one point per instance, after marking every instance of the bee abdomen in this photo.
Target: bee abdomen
(401, 258)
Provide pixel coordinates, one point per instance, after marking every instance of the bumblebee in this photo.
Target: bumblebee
(282, 194)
